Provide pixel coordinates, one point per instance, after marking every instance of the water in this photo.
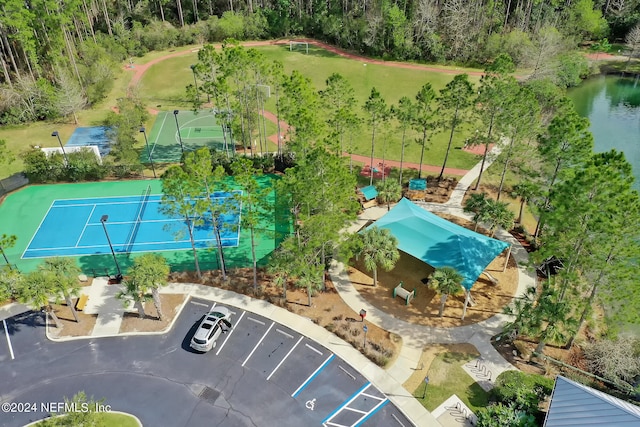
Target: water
(612, 104)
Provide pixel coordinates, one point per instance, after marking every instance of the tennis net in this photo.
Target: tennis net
(138, 220)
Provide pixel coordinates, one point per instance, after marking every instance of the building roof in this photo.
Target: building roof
(440, 243)
(575, 404)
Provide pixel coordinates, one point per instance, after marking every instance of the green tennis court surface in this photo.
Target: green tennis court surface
(197, 130)
(69, 215)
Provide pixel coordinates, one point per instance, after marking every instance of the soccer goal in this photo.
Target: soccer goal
(293, 44)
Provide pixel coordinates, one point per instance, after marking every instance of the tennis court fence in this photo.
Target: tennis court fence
(138, 219)
(15, 181)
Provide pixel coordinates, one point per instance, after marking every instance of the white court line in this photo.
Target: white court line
(155, 142)
(314, 349)
(229, 336)
(160, 242)
(37, 230)
(6, 331)
(257, 345)
(133, 251)
(284, 358)
(85, 225)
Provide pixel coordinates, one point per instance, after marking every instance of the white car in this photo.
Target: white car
(212, 326)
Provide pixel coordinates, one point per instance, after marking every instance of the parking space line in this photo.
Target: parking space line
(313, 375)
(284, 333)
(198, 303)
(314, 349)
(257, 345)
(285, 357)
(256, 320)
(365, 415)
(6, 331)
(347, 372)
(355, 410)
(370, 414)
(396, 418)
(211, 309)
(231, 332)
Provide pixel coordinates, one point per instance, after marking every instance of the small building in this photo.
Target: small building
(574, 404)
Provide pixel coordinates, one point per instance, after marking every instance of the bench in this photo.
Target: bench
(401, 292)
(82, 301)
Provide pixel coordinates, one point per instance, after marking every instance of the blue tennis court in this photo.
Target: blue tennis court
(73, 227)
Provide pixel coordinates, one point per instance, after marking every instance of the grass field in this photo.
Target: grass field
(318, 65)
(109, 419)
(162, 92)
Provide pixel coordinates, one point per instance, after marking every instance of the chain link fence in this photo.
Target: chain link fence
(14, 182)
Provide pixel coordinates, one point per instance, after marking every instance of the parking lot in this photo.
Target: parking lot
(259, 373)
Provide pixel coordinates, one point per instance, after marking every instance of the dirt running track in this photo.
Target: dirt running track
(139, 71)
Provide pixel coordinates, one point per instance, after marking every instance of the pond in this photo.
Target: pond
(612, 104)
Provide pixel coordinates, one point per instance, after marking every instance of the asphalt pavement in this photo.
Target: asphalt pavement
(260, 373)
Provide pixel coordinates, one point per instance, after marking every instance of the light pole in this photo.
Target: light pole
(175, 114)
(146, 142)
(365, 329)
(426, 383)
(103, 220)
(55, 133)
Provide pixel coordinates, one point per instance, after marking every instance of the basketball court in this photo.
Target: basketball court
(186, 130)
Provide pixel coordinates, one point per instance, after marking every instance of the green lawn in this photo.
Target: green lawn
(108, 420)
(393, 83)
(446, 377)
(163, 87)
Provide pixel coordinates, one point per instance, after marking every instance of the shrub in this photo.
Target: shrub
(522, 391)
(499, 415)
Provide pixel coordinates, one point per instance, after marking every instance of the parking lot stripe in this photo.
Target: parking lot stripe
(373, 411)
(257, 345)
(256, 320)
(373, 397)
(198, 303)
(347, 372)
(284, 358)
(6, 331)
(229, 336)
(284, 333)
(313, 375)
(355, 410)
(345, 404)
(314, 349)
(396, 418)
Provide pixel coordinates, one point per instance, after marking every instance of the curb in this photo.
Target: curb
(126, 334)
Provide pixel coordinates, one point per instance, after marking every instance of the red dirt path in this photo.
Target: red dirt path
(139, 71)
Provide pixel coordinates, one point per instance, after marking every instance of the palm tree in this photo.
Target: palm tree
(499, 215)
(66, 273)
(9, 282)
(446, 281)
(525, 190)
(477, 204)
(134, 292)
(150, 272)
(37, 289)
(389, 191)
(379, 249)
